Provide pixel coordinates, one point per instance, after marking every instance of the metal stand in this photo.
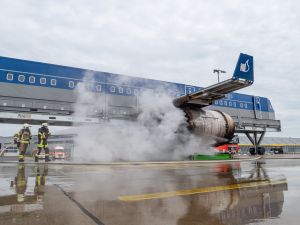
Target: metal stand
(256, 139)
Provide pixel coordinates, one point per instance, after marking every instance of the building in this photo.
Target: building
(288, 144)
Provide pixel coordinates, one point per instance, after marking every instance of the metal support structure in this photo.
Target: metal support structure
(256, 140)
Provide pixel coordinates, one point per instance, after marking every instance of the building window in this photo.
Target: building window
(121, 90)
(21, 78)
(230, 104)
(32, 79)
(225, 103)
(53, 82)
(135, 91)
(9, 76)
(221, 102)
(43, 80)
(71, 84)
(98, 88)
(128, 91)
(216, 102)
(234, 104)
(112, 89)
(241, 105)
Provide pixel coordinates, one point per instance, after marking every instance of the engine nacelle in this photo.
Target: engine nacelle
(216, 124)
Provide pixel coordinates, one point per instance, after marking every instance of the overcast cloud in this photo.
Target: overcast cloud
(173, 40)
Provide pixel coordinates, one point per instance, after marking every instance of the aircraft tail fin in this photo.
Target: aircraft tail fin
(244, 68)
(242, 77)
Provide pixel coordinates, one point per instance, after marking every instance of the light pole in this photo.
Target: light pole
(218, 71)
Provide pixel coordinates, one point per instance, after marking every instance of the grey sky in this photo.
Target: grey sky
(173, 40)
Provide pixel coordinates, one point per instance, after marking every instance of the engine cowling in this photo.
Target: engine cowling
(213, 123)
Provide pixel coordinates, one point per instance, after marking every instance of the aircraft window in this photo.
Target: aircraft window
(190, 90)
(112, 89)
(43, 80)
(9, 76)
(21, 78)
(128, 91)
(32, 79)
(98, 88)
(81, 86)
(53, 82)
(71, 84)
(121, 90)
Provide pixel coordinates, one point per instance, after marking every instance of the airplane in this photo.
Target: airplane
(36, 92)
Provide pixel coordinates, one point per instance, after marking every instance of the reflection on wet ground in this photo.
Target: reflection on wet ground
(260, 192)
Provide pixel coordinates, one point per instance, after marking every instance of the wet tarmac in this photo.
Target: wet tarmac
(264, 191)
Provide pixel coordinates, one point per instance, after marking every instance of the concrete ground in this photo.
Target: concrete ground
(264, 191)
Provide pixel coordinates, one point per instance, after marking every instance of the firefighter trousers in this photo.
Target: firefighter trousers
(46, 149)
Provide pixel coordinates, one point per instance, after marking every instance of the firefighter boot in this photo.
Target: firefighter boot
(47, 159)
(21, 158)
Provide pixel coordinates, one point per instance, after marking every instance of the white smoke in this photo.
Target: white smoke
(158, 133)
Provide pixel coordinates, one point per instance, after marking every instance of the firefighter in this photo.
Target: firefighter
(43, 135)
(24, 137)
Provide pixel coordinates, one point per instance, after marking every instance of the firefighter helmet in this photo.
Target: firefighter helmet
(25, 125)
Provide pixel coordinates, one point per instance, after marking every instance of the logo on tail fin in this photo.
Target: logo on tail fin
(245, 67)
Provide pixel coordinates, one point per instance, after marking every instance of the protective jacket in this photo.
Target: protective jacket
(43, 135)
(24, 136)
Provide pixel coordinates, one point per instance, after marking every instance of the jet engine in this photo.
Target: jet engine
(213, 123)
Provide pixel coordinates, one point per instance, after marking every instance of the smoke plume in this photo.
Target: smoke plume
(159, 132)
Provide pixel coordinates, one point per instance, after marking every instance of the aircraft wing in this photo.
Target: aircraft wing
(242, 77)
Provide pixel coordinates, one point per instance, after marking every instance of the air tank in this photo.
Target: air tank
(211, 123)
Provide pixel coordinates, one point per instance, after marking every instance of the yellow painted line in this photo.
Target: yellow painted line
(132, 198)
